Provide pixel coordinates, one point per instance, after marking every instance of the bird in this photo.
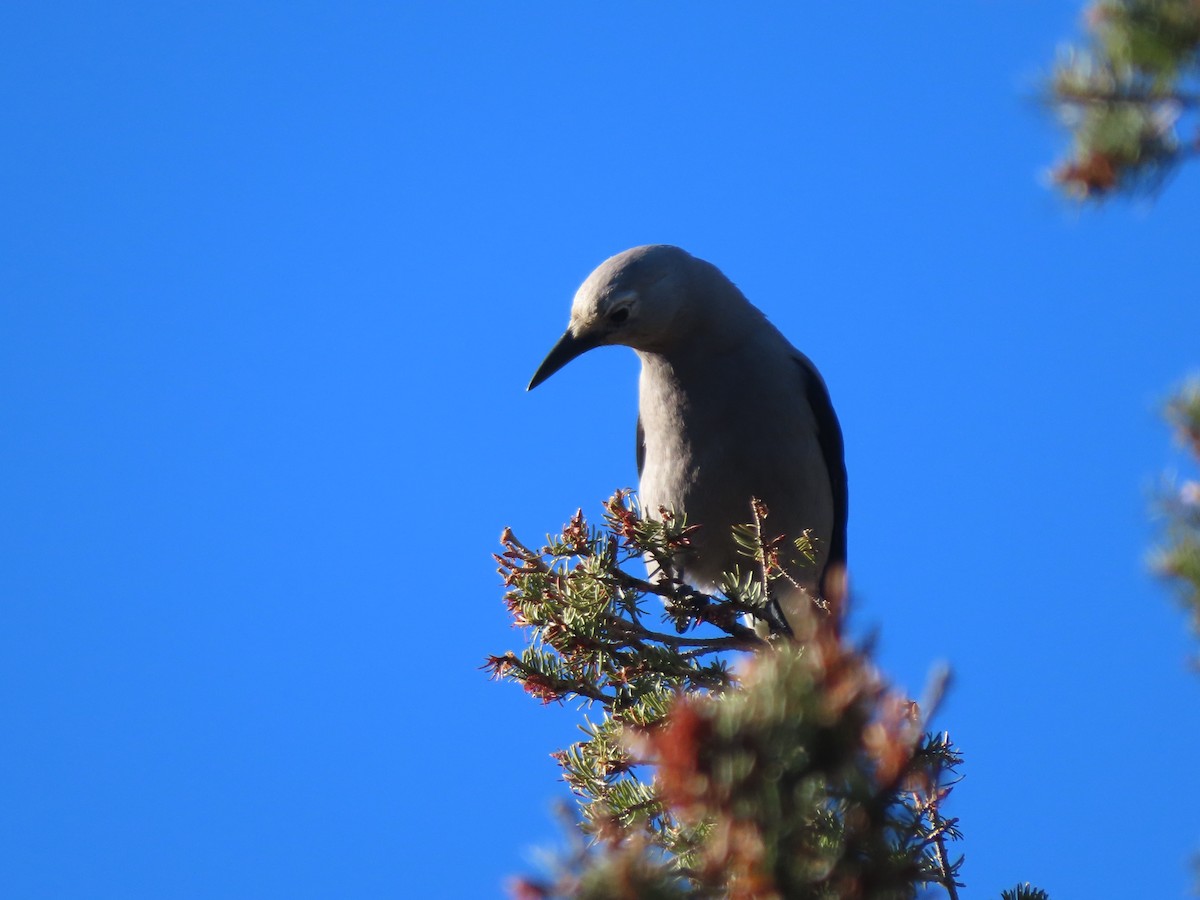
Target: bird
(728, 410)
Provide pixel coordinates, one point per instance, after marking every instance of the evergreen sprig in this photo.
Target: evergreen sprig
(594, 638)
(1024, 892)
(716, 762)
(1127, 94)
(1178, 558)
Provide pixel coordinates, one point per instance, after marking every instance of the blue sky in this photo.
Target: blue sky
(272, 281)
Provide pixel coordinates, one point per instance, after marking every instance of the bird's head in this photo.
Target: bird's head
(633, 299)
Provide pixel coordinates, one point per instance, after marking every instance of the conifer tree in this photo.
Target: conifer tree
(718, 759)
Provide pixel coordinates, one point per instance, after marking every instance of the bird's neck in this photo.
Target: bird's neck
(712, 327)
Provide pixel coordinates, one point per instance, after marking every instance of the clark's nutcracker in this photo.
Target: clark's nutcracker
(727, 410)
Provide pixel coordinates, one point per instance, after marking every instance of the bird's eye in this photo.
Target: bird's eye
(618, 316)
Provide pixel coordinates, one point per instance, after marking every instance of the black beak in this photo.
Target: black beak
(567, 348)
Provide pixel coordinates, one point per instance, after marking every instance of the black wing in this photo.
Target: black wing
(829, 434)
(641, 447)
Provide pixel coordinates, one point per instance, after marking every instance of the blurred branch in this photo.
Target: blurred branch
(1126, 94)
(1178, 557)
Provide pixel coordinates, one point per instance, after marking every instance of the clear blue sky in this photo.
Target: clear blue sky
(272, 281)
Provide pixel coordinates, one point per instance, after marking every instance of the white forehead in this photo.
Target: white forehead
(624, 275)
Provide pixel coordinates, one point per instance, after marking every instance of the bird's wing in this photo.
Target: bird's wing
(641, 447)
(829, 434)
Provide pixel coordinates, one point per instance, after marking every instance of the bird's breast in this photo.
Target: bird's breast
(718, 437)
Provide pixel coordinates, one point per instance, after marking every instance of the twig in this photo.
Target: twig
(939, 846)
(668, 592)
(673, 640)
(1134, 98)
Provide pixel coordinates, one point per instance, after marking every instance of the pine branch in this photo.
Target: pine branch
(722, 764)
(1178, 556)
(1126, 94)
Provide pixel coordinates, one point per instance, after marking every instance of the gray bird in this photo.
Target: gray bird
(727, 410)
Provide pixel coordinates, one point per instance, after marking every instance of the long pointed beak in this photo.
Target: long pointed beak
(567, 348)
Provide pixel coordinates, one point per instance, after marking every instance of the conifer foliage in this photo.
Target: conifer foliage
(1129, 96)
(717, 759)
(1178, 557)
